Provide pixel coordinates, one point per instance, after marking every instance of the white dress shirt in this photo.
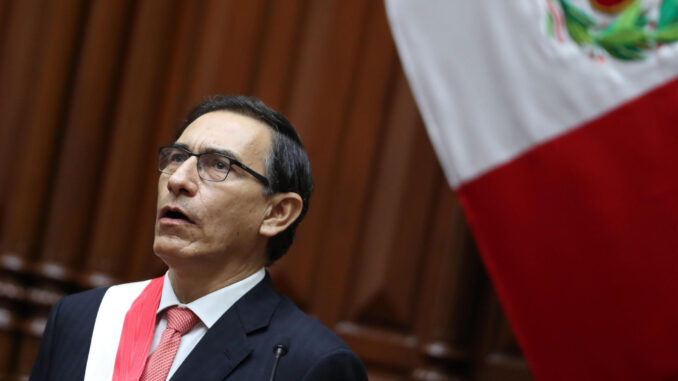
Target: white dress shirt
(208, 308)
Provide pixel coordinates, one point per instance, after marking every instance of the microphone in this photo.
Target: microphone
(280, 349)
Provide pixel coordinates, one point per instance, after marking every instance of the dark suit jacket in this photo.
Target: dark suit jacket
(239, 346)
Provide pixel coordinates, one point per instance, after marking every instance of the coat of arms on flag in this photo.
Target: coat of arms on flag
(622, 29)
(610, 6)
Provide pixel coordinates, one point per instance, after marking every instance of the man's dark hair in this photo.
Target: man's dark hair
(287, 166)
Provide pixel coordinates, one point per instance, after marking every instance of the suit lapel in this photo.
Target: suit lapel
(222, 348)
(226, 344)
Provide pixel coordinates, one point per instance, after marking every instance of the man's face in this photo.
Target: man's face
(214, 222)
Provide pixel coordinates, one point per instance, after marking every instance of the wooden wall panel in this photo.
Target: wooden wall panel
(245, 27)
(279, 48)
(210, 42)
(445, 308)
(18, 48)
(4, 15)
(45, 119)
(86, 128)
(351, 170)
(10, 294)
(397, 218)
(92, 88)
(21, 56)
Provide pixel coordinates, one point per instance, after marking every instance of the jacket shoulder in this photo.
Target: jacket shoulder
(314, 351)
(66, 339)
(307, 332)
(83, 301)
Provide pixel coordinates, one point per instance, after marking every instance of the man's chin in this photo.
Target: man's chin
(164, 246)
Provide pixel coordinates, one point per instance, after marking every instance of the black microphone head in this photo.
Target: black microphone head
(282, 346)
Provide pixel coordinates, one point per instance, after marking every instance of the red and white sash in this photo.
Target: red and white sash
(123, 331)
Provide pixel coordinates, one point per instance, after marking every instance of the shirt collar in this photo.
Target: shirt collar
(210, 307)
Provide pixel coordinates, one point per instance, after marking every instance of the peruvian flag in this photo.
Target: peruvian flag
(556, 122)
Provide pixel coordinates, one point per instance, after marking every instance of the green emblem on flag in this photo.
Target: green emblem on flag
(628, 36)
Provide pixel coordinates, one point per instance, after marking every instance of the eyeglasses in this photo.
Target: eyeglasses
(212, 166)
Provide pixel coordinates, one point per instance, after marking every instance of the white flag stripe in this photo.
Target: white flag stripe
(108, 328)
(491, 84)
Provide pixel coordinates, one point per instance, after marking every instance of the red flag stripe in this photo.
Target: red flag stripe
(581, 233)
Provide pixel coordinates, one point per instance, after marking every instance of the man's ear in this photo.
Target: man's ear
(284, 208)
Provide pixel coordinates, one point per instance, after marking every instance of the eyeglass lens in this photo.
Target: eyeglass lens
(211, 166)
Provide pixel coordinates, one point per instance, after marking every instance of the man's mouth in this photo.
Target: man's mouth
(175, 215)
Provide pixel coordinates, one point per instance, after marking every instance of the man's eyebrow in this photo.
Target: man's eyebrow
(180, 145)
(226, 152)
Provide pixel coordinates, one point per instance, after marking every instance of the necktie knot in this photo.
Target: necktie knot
(181, 319)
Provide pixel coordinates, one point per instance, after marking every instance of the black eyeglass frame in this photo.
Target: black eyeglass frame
(231, 160)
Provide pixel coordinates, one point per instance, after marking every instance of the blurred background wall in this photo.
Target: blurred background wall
(90, 89)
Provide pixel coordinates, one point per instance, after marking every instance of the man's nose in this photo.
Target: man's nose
(185, 178)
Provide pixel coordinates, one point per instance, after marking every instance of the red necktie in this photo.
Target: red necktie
(179, 321)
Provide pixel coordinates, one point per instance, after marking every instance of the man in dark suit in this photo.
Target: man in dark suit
(233, 187)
